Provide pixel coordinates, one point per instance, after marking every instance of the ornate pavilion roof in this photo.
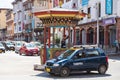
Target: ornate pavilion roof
(59, 16)
(59, 12)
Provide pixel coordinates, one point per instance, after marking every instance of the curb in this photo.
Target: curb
(113, 54)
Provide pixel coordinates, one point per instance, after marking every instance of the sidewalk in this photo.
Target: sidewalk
(111, 52)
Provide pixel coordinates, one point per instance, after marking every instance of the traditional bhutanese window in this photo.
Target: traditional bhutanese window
(99, 5)
(89, 11)
(42, 3)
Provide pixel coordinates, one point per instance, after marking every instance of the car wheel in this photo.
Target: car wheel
(38, 54)
(102, 69)
(64, 72)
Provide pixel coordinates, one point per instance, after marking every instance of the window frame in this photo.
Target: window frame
(92, 55)
(79, 52)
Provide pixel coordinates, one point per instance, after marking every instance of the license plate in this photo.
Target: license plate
(48, 69)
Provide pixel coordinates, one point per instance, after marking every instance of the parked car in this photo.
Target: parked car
(51, 46)
(8, 45)
(18, 45)
(29, 49)
(38, 44)
(2, 48)
(85, 58)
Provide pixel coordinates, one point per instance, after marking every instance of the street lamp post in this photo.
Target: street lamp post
(33, 27)
(97, 7)
(17, 32)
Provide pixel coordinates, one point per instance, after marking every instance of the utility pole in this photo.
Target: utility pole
(97, 9)
(33, 26)
(17, 32)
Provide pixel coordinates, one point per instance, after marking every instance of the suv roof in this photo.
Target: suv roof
(84, 46)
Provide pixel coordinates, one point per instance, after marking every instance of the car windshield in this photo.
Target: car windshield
(66, 54)
(19, 44)
(37, 44)
(1, 45)
(30, 45)
(9, 43)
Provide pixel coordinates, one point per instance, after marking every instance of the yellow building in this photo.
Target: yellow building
(3, 23)
(10, 24)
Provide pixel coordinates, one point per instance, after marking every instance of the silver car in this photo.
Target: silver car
(18, 45)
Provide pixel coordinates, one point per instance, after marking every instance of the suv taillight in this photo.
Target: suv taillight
(107, 59)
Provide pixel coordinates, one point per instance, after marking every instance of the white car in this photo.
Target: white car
(38, 44)
(18, 45)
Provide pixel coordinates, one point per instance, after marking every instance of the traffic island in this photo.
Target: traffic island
(38, 67)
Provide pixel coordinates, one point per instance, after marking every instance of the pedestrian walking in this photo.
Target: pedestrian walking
(116, 46)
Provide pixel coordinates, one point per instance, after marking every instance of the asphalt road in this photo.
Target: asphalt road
(16, 67)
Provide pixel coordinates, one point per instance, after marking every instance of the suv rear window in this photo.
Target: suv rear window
(92, 53)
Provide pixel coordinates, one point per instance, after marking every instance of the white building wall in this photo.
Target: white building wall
(103, 8)
(67, 5)
(118, 6)
(18, 16)
(92, 4)
(115, 7)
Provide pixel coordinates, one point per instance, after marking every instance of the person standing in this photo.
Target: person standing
(117, 46)
(63, 43)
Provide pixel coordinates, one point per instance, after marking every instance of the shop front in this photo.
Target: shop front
(108, 32)
(110, 29)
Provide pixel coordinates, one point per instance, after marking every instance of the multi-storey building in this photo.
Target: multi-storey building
(24, 21)
(18, 19)
(10, 24)
(39, 5)
(101, 14)
(3, 23)
(105, 14)
(28, 17)
(27, 26)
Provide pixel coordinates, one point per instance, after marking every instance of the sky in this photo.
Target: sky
(6, 3)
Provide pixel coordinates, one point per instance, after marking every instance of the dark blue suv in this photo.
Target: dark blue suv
(86, 58)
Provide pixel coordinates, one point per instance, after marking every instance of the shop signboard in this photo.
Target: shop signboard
(109, 21)
(109, 7)
(85, 2)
